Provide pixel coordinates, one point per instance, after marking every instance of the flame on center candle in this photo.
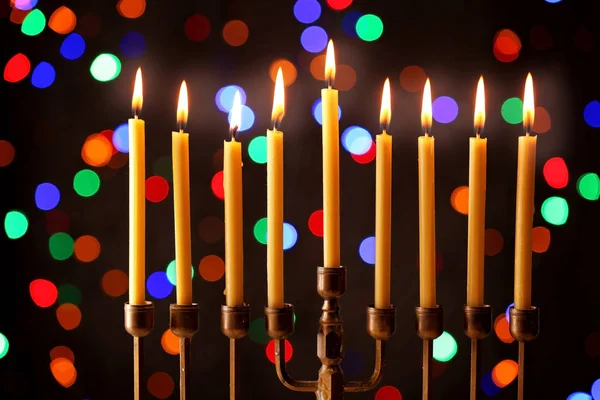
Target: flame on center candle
(278, 100)
(528, 105)
(426, 113)
(330, 64)
(138, 97)
(236, 114)
(480, 107)
(182, 107)
(385, 115)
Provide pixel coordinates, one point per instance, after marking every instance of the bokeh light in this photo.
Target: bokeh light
(247, 118)
(158, 285)
(290, 236)
(7, 153)
(133, 45)
(507, 45)
(388, 393)
(97, 150)
(62, 20)
(172, 272)
(315, 223)
(257, 149)
(47, 196)
(494, 242)
(43, 293)
(445, 109)
(512, 110)
(4, 345)
(260, 231)
(412, 78)
(23, 5)
(17, 68)
(444, 347)
(488, 386)
(73, 46)
(197, 28)
(460, 199)
(349, 23)
(353, 363)
(63, 371)
(56, 221)
(595, 386)
(17, 16)
(553, 1)
(131, 8)
(366, 250)
(43, 75)
(225, 95)
(15, 224)
(211, 268)
(339, 5)
(235, 33)
(588, 186)
(115, 283)
(356, 140)
(62, 352)
(257, 332)
(369, 27)
(504, 373)
(502, 329)
(289, 71)
(307, 11)
(579, 395)
(69, 316)
(211, 229)
(556, 173)
(270, 351)
(317, 67)
(160, 385)
(61, 246)
(86, 183)
(216, 184)
(368, 156)
(157, 189)
(555, 210)
(34, 23)
(542, 122)
(105, 67)
(120, 138)
(314, 39)
(591, 112)
(163, 166)
(169, 342)
(69, 293)
(345, 77)
(317, 111)
(86, 248)
(540, 239)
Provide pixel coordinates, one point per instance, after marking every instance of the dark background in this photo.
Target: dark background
(451, 40)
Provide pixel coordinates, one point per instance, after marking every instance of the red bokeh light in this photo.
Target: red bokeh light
(57, 221)
(556, 173)
(108, 134)
(388, 393)
(338, 5)
(197, 27)
(217, 185)
(157, 189)
(17, 68)
(270, 351)
(43, 293)
(368, 156)
(315, 223)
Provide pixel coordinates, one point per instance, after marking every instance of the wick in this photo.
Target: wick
(233, 132)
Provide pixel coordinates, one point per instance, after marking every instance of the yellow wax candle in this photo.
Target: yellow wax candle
(137, 198)
(477, 187)
(426, 149)
(234, 235)
(275, 199)
(383, 204)
(524, 212)
(331, 165)
(181, 200)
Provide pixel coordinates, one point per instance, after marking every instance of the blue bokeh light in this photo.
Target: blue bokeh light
(43, 75)
(366, 250)
(247, 118)
(225, 95)
(444, 109)
(579, 396)
(317, 111)
(508, 311)
(356, 140)
(553, 1)
(349, 23)
(307, 11)
(133, 45)
(158, 285)
(488, 385)
(290, 236)
(596, 389)
(73, 46)
(24, 5)
(591, 114)
(314, 39)
(120, 138)
(47, 196)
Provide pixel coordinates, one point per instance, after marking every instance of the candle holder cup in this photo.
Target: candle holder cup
(139, 322)
(331, 384)
(184, 323)
(477, 326)
(235, 324)
(429, 325)
(524, 327)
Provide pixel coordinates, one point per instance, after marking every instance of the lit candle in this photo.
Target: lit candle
(181, 200)
(524, 214)
(234, 235)
(137, 197)
(275, 199)
(477, 184)
(426, 149)
(383, 203)
(331, 165)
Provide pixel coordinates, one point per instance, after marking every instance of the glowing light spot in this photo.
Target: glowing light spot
(317, 67)
(211, 229)
(504, 373)
(62, 352)
(315, 223)
(588, 186)
(540, 239)
(86, 248)
(105, 67)
(540, 38)
(356, 140)
(197, 28)
(444, 347)
(23, 5)
(86, 183)
(225, 95)
(97, 150)
(445, 109)
(57, 221)
(163, 166)
(317, 111)
(34, 23)
(553, 1)
(260, 231)
(270, 351)
(345, 77)
(349, 23)
(488, 386)
(595, 386)
(366, 250)
(579, 395)
(120, 138)
(290, 236)
(247, 118)
(161, 385)
(494, 242)
(591, 112)
(17, 68)
(47, 196)
(172, 272)
(388, 393)
(115, 283)
(368, 156)
(15, 224)
(157, 189)
(69, 316)
(314, 39)
(460, 199)
(369, 27)
(412, 79)
(507, 46)
(512, 110)
(61, 246)
(257, 149)
(69, 294)
(4, 345)
(133, 45)
(307, 11)
(216, 185)
(170, 342)
(43, 293)
(63, 371)
(7, 153)
(502, 329)
(339, 5)
(257, 331)
(555, 210)
(212, 268)
(73, 46)
(542, 123)
(43, 75)
(131, 8)
(17, 16)
(235, 33)
(507, 313)
(287, 68)
(158, 285)
(62, 20)
(556, 172)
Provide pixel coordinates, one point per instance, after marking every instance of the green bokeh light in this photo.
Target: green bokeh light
(105, 67)
(588, 186)
(260, 230)
(86, 183)
(61, 246)
(258, 333)
(172, 273)
(257, 149)
(69, 294)
(369, 27)
(34, 23)
(444, 347)
(512, 110)
(163, 166)
(3, 345)
(555, 210)
(15, 224)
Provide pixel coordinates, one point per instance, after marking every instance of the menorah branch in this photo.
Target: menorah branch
(477, 326)
(430, 326)
(524, 327)
(184, 322)
(235, 323)
(139, 322)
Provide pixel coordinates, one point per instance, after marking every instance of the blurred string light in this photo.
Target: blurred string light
(366, 250)
(133, 45)
(47, 196)
(211, 268)
(7, 153)
(290, 73)
(356, 140)
(247, 118)
(4, 345)
(339, 5)
(494, 242)
(459, 199)
(507, 313)
(157, 189)
(73, 46)
(349, 23)
(62, 20)
(69, 293)
(507, 45)
(86, 183)
(23, 5)
(345, 77)
(488, 386)
(63, 371)
(556, 173)
(553, 1)
(225, 95)
(163, 166)
(15, 224)
(115, 283)
(97, 150)
(512, 110)
(105, 67)
(43, 75)
(17, 68)
(591, 113)
(257, 332)
(580, 396)
(388, 393)
(169, 342)
(86, 248)
(131, 8)
(158, 285)
(317, 111)
(369, 27)
(56, 221)
(540, 239)
(270, 351)
(595, 387)
(542, 123)
(555, 210)
(160, 385)
(504, 373)
(216, 184)
(171, 272)
(368, 156)
(197, 27)
(61, 246)
(34, 23)
(120, 138)
(43, 293)
(502, 329)
(257, 149)
(307, 11)
(68, 316)
(445, 109)
(290, 234)
(62, 352)
(444, 347)
(412, 78)
(235, 33)
(314, 39)
(211, 229)
(588, 186)
(315, 223)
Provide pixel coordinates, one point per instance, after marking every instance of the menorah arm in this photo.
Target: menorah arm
(288, 382)
(376, 376)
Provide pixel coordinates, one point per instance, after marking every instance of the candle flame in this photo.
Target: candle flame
(182, 106)
(278, 100)
(480, 107)
(138, 96)
(385, 115)
(528, 105)
(236, 114)
(426, 113)
(330, 64)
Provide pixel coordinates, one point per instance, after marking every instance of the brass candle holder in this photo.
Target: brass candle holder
(524, 327)
(429, 326)
(331, 384)
(235, 323)
(477, 326)
(139, 322)
(184, 323)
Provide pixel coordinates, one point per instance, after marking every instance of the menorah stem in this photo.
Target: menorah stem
(524, 327)
(430, 326)
(235, 323)
(138, 362)
(233, 366)
(477, 326)
(184, 367)
(474, 369)
(521, 374)
(427, 354)
(184, 322)
(139, 322)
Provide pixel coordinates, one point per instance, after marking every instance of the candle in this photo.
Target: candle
(477, 184)
(234, 235)
(181, 200)
(426, 205)
(383, 204)
(275, 199)
(331, 165)
(524, 214)
(137, 197)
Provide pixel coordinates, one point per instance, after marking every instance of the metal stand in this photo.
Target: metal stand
(235, 323)
(524, 327)
(331, 385)
(478, 325)
(430, 326)
(139, 322)
(184, 322)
